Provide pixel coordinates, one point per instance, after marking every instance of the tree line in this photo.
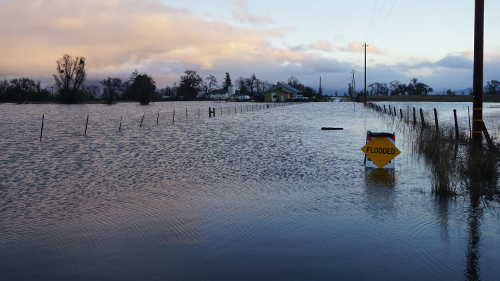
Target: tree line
(396, 88)
(71, 75)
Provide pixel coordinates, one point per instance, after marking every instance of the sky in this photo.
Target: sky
(427, 39)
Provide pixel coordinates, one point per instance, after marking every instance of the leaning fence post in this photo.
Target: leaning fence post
(41, 129)
(142, 120)
(456, 123)
(436, 120)
(422, 117)
(86, 125)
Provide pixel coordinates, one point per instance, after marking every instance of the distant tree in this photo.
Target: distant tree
(190, 84)
(89, 92)
(251, 84)
(379, 89)
(140, 87)
(294, 82)
(70, 76)
(111, 88)
(450, 92)
(243, 87)
(227, 82)
(22, 90)
(493, 87)
(416, 88)
(211, 82)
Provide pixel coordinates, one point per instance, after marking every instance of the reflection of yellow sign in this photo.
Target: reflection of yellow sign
(381, 151)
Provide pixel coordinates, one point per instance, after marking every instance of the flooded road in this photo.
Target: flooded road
(259, 195)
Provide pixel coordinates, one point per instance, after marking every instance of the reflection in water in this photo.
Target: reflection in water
(443, 210)
(380, 177)
(473, 254)
(379, 191)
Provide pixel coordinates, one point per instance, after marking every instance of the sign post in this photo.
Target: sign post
(380, 150)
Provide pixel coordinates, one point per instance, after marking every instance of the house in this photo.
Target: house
(222, 94)
(281, 93)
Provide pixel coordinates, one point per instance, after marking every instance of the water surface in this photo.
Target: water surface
(260, 195)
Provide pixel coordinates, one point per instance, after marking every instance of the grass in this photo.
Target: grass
(455, 168)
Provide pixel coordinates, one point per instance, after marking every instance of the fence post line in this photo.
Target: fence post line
(436, 121)
(41, 129)
(456, 123)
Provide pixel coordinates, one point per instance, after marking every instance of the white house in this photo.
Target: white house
(222, 94)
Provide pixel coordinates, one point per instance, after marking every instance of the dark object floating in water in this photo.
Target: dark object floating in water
(331, 129)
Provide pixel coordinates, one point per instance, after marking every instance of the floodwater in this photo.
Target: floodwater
(259, 195)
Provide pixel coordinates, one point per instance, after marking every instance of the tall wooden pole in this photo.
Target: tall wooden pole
(366, 95)
(477, 112)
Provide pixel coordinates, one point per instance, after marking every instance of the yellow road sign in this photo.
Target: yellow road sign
(381, 151)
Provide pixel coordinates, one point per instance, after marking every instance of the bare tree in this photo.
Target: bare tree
(70, 76)
(211, 82)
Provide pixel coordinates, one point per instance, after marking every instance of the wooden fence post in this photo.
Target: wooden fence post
(401, 113)
(142, 120)
(414, 117)
(41, 129)
(456, 124)
(436, 121)
(86, 125)
(470, 128)
(422, 120)
(157, 119)
(120, 126)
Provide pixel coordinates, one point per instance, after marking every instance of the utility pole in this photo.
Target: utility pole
(366, 96)
(477, 113)
(320, 86)
(353, 84)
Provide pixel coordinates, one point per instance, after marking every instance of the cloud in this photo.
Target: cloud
(241, 13)
(321, 45)
(120, 34)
